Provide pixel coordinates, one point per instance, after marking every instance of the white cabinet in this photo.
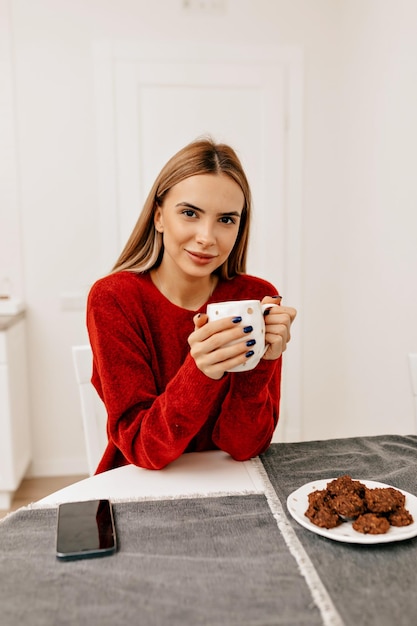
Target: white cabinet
(15, 439)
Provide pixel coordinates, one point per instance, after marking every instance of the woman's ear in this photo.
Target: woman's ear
(157, 220)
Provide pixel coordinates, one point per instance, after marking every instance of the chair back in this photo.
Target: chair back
(412, 360)
(93, 412)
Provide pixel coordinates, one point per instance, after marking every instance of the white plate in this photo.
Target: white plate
(297, 503)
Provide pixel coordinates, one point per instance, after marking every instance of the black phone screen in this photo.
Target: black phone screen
(85, 530)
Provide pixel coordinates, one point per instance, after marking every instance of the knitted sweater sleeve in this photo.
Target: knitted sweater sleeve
(149, 428)
(250, 411)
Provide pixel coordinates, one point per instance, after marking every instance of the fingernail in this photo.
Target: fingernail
(251, 342)
(236, 320)
(277, 297)
(248, 329)
(250, 353)
(266, 312)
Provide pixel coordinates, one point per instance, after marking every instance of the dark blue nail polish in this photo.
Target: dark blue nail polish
(248, 329)
(236, 320)
(251, 342)
(267, 312)
(250, 353)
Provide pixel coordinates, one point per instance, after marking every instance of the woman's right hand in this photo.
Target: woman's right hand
(208, 345)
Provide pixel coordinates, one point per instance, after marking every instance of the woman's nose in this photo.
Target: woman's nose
(205, 236)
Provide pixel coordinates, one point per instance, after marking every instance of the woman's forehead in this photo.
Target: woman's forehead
(207, 190)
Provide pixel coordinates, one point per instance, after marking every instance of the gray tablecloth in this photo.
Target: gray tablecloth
(369, 585)
(215, 561)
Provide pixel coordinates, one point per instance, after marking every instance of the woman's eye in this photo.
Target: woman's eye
(189, 213)
(226, 219)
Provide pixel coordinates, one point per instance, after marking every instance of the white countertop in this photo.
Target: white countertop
(6, 321)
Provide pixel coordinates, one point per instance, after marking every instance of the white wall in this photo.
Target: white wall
(369, 230)
(359, 305)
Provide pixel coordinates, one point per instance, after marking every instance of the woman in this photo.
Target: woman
(159, 365)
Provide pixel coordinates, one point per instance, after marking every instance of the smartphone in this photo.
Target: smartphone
(85, 530)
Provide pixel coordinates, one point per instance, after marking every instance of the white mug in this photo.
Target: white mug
(252, 314)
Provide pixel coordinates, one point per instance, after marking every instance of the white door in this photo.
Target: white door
(152, 100)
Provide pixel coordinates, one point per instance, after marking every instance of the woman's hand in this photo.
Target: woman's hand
(208, 345)
(277, 327)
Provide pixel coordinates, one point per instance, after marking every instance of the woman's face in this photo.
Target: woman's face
(199, 219)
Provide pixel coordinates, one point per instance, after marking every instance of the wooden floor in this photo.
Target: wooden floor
(32, 489)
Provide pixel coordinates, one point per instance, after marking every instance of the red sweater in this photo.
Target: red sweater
(159, 404)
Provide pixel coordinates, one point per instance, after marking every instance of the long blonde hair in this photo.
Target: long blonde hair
(144, 248)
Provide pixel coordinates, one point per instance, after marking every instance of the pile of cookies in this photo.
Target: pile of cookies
(371, 511)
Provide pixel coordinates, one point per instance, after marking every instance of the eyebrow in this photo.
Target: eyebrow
(188, 205)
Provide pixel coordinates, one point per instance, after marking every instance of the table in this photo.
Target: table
(198, 473)
(210, 541)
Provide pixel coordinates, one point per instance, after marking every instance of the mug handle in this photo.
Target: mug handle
(267, 306)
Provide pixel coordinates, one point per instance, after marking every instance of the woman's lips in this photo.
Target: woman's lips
(201, 259)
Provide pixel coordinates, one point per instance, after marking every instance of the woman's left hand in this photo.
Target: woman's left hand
(277, 328)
